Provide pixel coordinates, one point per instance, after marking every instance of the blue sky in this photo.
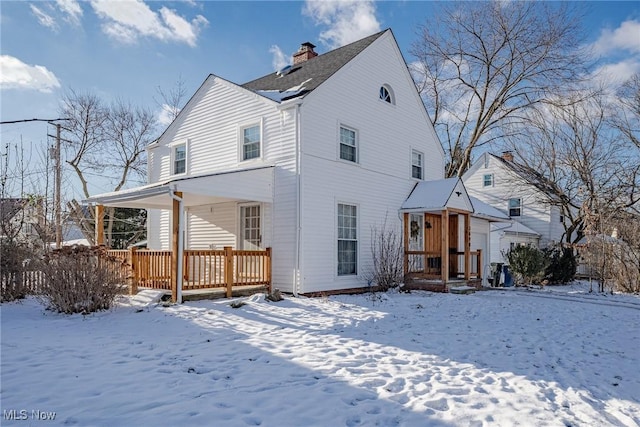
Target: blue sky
(126, 49)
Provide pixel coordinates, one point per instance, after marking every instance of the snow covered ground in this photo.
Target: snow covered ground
(555, 357)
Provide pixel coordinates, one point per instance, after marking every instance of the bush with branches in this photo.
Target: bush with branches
(528, 264)
(562, 265)
(387, 253)
(79, 279)
(14, 259)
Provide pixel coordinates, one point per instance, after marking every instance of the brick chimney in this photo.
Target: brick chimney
(305, 53)
(507, 156)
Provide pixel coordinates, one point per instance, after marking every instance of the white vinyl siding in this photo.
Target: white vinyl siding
(348, 144)
(347, 239)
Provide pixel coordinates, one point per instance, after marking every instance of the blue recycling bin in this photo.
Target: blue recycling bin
(508, 278)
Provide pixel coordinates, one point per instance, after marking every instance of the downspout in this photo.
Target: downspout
(180, 243)
(297, 274)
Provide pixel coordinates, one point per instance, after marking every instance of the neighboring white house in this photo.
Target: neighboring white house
(306, 161)
(494, 180)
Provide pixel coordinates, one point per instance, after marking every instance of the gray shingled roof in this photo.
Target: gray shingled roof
(316, 69)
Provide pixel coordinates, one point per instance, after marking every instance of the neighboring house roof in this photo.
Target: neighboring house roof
(302, 78)
(437, 195)
(514, 228)
(486, 211)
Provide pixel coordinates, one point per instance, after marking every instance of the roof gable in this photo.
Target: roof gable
(303, 78)
(438, 195)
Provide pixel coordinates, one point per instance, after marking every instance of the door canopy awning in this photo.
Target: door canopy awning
(436, 196)
(255, 184)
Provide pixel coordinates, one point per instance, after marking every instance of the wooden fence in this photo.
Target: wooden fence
(429, 264)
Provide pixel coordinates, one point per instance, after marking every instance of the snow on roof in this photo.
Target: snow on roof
(484, 210)
(514, 228)
(278, 96)
(431, 195)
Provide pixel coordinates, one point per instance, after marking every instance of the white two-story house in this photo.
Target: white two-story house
(307, 161)
(497, 181)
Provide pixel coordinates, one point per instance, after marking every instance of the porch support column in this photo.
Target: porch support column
(176, 279)
(467, 246)
(406, 242)
(99, 225)
(444, 249)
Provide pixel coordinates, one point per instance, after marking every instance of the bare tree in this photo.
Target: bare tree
(482, 65)
(171, 102)
(107, 141)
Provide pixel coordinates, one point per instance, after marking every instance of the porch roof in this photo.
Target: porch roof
(515, 228)
(486, 211)
(253, 184)
(438, 195)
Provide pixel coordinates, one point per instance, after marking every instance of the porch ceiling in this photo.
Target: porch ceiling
(254, 184)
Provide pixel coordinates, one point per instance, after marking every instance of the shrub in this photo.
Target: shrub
(528, 263)
(14, 257)
(79, 279)
(562, 265)
(387, 252)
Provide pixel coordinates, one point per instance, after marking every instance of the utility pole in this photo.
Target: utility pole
(57, 202)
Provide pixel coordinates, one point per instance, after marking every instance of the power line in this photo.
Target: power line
(8, 122)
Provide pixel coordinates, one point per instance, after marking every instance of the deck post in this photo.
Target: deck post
(99, 225)
(133, 289)
(175, 236)
(228, 269)
(444, 249)
(479, 264)
(268, 275)
(467, 246)
(406, 242)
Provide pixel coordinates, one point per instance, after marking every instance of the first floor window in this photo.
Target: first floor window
(347, 240)
(348, 145)
(515, 207)
(251, 143)
(179, 159)
(487, 180)
(416, 164)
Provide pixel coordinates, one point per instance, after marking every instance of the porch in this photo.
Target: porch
(437, 237)
(205, 273)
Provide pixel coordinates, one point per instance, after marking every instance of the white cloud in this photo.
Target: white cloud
(279, 60)
(625, 37)
(72, 10)
(167, 114)
(614, 74)
(128, 20)
(18, 75)
(348, 20)
(44, 19)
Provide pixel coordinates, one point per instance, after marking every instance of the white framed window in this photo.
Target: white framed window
(348, 144)
(179, 159)
(250, 227)
(417, 164)
(386, 94)
(515, 207)
(487, 180)
(347, 239)
(251, 141)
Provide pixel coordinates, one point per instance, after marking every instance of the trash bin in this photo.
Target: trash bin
(508, 278)
(496, 270)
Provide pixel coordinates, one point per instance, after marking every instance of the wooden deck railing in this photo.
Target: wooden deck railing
(429, 264)
(202, 269)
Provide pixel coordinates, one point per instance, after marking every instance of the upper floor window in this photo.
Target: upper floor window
(251, 142)
(386, 94)
(179, 159)
(348, 144)
(515, 207)
(487, 180)
(417, 164)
